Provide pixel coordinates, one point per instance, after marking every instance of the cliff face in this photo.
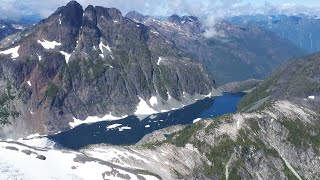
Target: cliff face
(79, 63)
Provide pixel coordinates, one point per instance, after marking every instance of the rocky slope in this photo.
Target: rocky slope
(232, 53)
(278, 140)
(93, 62)
(298, 79)
(300, 29)
(241, 86)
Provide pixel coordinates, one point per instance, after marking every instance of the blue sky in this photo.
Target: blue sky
(217, 8)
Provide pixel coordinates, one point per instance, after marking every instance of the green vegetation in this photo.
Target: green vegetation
(219, 157)
(233, 170)
(182, 137)
(52, 89)
(97, 68)
(221, 153)
(5, 111)
(300, 136)
(253, 124)
(88, 70)
(250, 99)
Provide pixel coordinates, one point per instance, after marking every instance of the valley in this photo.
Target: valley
(132, 129)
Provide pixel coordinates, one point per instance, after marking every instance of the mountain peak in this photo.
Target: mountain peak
(174, 19)
(109, 13)
(72, 13)
(73, 3)
(134, 13)
(136, 16)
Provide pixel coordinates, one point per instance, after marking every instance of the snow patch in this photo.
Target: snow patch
(209, 95)
(17, 26)
(39, 57)
(153, 101)
(66, 55)
(101, 46)
(13, 51)
(159, 60)
(36, 140)
(144, 109)
(113, 126)
(49, 44)
(311, 97)
(197, 120)
(29, 83)
(33, 136)
(124, 128)
(154, 32)
(17, 165)
(153, 117)
(147, 126)
(94, 119)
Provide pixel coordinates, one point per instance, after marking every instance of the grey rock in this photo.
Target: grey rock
(12, 148)
(27, 152)
(41, 157)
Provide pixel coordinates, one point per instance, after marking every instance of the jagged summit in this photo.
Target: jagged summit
(174, 19)
(182, 20)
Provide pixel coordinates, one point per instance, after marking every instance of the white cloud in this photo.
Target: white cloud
(218, 8)
(209, 11)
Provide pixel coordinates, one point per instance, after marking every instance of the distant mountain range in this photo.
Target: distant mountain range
(234, 53)
(302, 30)
(8, 27)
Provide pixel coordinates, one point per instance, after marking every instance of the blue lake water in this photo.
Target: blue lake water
(98, 133)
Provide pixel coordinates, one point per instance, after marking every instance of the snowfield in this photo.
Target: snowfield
(144, 109)
(13, 51)
(49, 44)
(18, 161)
(66, 55)
(94, 119)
